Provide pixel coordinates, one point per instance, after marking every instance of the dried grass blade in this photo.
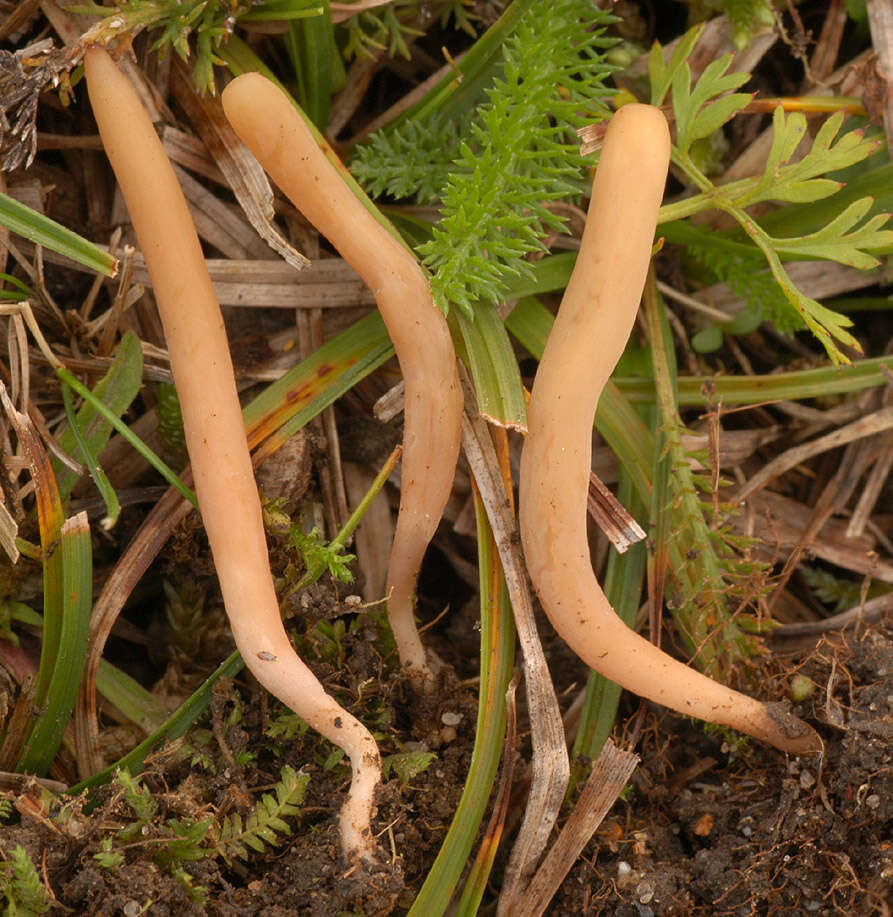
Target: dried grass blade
(610, 774)
(50, 517)
(550, 765)
(247, 179)
(876, 422)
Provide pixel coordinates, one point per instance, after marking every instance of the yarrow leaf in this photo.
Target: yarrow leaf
(516, 155)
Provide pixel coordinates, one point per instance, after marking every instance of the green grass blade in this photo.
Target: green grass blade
(311, 46)
(790, 386)
(460, 89)
(88, 434)
(154, 460)
(140, 706)
(497, 661)
(315, 383)
(103, 485)
(43, 231)
(172, 728)
(489, 355)
(77, 584)
(283, 11)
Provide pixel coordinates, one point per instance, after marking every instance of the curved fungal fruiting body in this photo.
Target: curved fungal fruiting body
(270, 126)
(215, 435)
(593, 324)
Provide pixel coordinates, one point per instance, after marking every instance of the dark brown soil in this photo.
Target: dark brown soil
(710, 826)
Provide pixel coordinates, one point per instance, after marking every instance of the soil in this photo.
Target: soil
(710, 825)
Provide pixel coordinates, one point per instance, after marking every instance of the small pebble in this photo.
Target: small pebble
(806, 780)
(623, 868)
(645, 892)
(451, 718)
(873, 801)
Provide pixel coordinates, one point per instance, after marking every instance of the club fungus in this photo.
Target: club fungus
(271, 127)
(594, 321)
(215, 436)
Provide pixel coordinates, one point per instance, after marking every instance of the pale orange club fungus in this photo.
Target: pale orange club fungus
(593, 324)
(272, 128)
(215, 436)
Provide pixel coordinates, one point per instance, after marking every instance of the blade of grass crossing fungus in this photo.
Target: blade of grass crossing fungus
(488, 353)
(623, 587)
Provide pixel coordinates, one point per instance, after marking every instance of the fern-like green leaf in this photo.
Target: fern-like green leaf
(22, 886)
(799, 182)
(662, 72)
(843, 240)
(696, 115)
(266, 824)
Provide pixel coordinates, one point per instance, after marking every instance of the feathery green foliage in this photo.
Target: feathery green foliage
(412, 160)
(516, 155)
(705, 573)
(233, 836)
(319, 556)
(849, 236)
(21, 887)
(381, 30)
(184, 840)
(839, 593)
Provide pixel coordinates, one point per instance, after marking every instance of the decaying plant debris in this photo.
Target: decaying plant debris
(769, 549)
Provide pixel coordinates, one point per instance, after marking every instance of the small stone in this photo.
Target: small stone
(133, 909)
(623, 868)
(806, 780)
(873, 801)
(645, 892)
(450, 718)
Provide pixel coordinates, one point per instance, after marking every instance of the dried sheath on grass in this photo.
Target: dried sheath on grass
(215, 436)
(589, 335)
(269, 125)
